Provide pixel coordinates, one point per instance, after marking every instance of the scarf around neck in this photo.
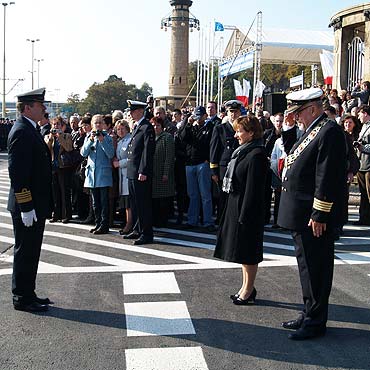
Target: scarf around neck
(227, 183)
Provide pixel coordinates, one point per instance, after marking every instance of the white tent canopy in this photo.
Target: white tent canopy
(283, 46)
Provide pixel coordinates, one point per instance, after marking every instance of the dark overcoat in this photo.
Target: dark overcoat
(240, 236)
(140, 151)
(29, 163)
(314, 183)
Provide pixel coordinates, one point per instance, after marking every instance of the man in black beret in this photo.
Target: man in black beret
(30, 198)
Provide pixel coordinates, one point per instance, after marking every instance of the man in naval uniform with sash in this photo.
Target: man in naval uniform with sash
(30, 198)
(311, 205)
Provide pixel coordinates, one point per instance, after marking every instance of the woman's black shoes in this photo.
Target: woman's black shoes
(234, 296)
(250, 300)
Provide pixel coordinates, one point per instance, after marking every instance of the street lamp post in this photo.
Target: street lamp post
(38, 71)
(33, 51)
(4, 102)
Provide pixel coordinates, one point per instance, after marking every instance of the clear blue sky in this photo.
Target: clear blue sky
(85, 41)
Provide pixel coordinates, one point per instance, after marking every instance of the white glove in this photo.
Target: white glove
(28, 218)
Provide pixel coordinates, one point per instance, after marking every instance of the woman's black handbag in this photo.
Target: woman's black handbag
(71, 159)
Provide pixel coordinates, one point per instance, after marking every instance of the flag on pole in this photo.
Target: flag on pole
(259, 89)
(242, 93)
(219, 26)
(327, 64)
(246, 91)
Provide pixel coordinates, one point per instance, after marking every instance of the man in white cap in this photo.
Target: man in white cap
(139, 173)
(30, 198)
(311, 205)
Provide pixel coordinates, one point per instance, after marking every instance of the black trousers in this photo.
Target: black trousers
(27, 250)
(315, 257)
(161, 211)
(141, 206)
(62, 187)
(364, 187)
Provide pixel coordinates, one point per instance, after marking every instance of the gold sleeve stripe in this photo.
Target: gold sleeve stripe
(213, 165)
(24, 196)
(320, 205)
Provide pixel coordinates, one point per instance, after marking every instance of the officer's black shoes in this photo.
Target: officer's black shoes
(101, 231)
(292, 324)
(65, 220)
(143, 240)
(133, 235)
(307, 333)
(43, 300)
(31, 307)
(88, 221)
(94, 229)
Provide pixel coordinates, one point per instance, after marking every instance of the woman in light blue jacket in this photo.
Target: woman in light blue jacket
(99, 150)
(123, 131)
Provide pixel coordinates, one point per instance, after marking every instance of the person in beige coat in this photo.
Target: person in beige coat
(60, 142)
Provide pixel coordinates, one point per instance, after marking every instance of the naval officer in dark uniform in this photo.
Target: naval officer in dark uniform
(222, 145)
(311, 205)
(139, 173)
(30, 198)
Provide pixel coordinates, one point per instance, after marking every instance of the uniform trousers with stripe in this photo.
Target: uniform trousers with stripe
(315, 257)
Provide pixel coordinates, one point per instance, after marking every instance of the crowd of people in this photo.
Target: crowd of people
(221, 169)
(191, 153)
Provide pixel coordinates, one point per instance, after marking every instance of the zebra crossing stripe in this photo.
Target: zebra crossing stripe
(178, 358)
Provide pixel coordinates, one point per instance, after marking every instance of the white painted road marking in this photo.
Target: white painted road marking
(158, 318)
(178, 358)
(156, 283)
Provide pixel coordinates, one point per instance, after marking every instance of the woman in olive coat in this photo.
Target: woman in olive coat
(240, 236)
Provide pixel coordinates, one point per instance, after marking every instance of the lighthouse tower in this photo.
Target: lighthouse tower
(181, 22)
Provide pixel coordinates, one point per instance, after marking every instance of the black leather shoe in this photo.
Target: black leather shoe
(234, 296)
(31, 307)
(65, 220)
(101, 231)
(133, 235)
(124, 232)
(250, 300)
(94, 229)
(88, 221)
(292, 324)
(143, 240)
(43, 300)
(307, 333)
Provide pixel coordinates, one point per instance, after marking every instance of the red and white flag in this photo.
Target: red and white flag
(242, 93)
(327, 65)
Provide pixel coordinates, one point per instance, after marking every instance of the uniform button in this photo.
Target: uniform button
(285, 179)
(283, 189)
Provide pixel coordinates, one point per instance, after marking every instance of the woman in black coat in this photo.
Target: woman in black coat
(240, 236)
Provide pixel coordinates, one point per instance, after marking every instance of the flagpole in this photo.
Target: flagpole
(212, 59)
(198, 72)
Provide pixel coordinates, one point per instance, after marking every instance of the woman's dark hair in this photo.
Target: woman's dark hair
(355, 120)
(158, 120)
(249, 123)
(108, 120)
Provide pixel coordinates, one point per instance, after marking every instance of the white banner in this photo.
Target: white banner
(296, 81)
(241, 63)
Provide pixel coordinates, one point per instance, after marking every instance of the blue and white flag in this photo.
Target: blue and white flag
(219, 26)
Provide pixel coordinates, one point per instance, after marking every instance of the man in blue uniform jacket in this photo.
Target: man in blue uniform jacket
(311, 205)
(30, 198)
(140, 173)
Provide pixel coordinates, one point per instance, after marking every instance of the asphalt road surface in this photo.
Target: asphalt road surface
(166, 306)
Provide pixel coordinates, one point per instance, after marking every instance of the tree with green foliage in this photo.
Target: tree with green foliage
(105, 97)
